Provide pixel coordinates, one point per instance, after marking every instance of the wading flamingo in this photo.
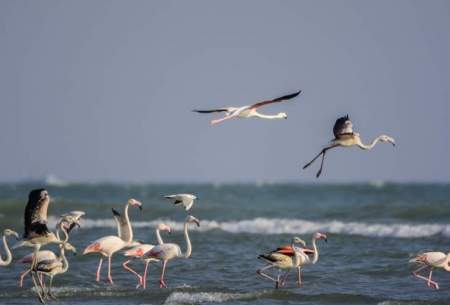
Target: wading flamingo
(281, 261)
(108, 245)
(65, 224)
(345, 137)
(52, 267)
(186, 200)
(306, 258)
(249, 111)
(138, 252)
(431, 260)
(168, 251)
(8, 259)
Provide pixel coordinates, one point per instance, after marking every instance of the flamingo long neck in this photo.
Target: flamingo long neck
(268, 116)
(316, 251)
(8, 259)
(296, 255)
(158, 237)
(188, 241)
(66, 235)
(65, 263)
(125, 212)
(370, 145)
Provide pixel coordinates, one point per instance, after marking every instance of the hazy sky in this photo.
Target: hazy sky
(102, 90)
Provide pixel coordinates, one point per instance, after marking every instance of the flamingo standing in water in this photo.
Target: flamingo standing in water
(8, 259)
(304, 259)
(345, 137)
(108, 245)
(66, 223)
(431, 260)
(168, 251)
(281, 261)
(138, 252)
(250, 110)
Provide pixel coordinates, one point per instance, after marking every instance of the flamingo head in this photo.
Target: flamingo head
(69, 247)
(9, 232)
(298, 240)
(134, 202)
(192, 219)
(164, 227)
(388, 139)
(319, 235)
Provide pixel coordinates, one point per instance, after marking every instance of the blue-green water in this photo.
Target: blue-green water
(372, 232)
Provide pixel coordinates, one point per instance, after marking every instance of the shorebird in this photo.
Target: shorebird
(431, 260)
(108, 245)
(250, 111)
(281, 261)
(186, 200)
(345, 137)
(137, 252)
(168, 251)
(8, 259)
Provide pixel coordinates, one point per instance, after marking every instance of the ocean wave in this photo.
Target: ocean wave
(290, 226)
(177, 298)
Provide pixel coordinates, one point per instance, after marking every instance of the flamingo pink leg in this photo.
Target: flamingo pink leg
(260, 272)
(99, 269)
(144, 280)
(283, 281)
(125, 265)
(162, 284)
(299, 277)
(22, 276)
(109, 270)
(430, 282)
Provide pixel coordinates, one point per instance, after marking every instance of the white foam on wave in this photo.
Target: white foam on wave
(291, 226)
(177, 298)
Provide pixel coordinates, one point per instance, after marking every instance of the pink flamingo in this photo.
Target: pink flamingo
(168, 251)
(108, 245)
(431, 260)
(138, 252)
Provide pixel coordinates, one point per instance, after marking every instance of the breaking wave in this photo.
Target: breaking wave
(176, 298)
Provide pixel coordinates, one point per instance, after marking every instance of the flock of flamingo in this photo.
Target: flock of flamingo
(45, 263)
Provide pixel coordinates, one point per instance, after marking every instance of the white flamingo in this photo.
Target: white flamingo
(137, 252)
(66, 223)
(249, 111)
(8, 259)
(281, 261)
(53, 267)
(345, 137)
(168, 251)
(108, 245)
(431, 260)
(186, 200)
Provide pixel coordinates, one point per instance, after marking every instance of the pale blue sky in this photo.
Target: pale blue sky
(102, 90)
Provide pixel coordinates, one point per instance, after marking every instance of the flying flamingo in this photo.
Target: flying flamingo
(138, 252)
(304, 259)
(52, 267)
(431, 260)
(66, 223)
(281, 261)
(249, 111)
(187, 200)
(108, 245)
(345, 137)
(168, 251)
(8, 259)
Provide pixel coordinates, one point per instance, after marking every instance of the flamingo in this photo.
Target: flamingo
(138, 252)
(431, 260)
(66, 223)
(168, 251)
(345, 137)
(306, 258)
(249, 111)
(108, 245)
(8, 259)
(186, 200)
(52, 267)
(281, 261)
